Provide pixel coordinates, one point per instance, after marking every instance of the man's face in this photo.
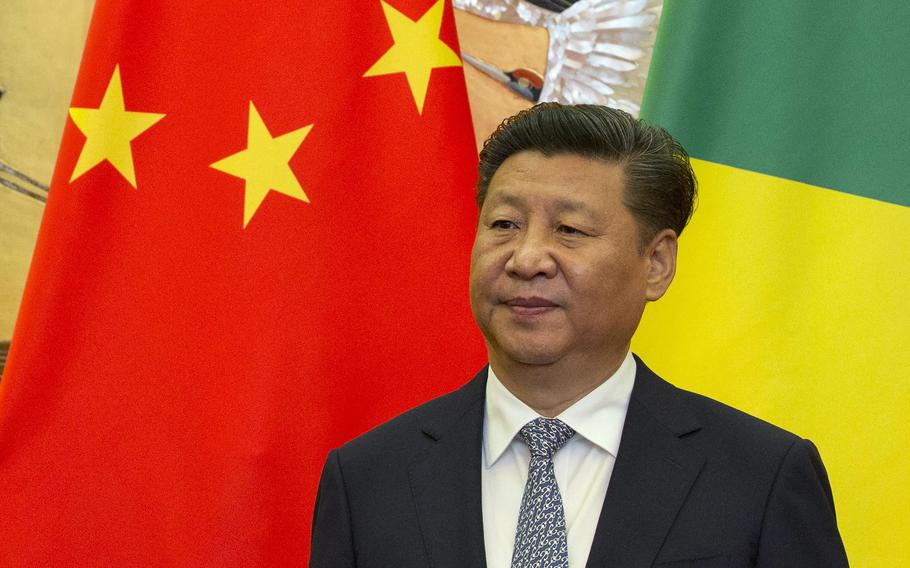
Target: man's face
(556, 269)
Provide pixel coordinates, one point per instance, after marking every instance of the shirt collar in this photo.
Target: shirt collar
(598, 417)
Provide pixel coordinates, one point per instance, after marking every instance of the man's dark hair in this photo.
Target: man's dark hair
(660, 187)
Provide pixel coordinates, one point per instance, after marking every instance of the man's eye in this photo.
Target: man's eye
(568, 230)
(502, 224)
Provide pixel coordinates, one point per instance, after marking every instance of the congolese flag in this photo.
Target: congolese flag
(791, 298)
(256, 246)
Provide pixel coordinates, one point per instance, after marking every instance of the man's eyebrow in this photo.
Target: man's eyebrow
(561, 204)
(567, 204)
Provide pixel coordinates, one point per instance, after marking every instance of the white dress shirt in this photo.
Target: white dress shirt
(583, 466)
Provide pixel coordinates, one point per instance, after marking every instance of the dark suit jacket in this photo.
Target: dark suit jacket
(696, 484)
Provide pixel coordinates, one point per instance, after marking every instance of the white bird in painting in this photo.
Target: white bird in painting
(599, 50)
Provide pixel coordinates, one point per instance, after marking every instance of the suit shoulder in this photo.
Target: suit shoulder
(736, 428)
(740, 449)
(684, 411)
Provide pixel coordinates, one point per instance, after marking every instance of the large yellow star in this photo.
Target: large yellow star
(264, 164)
(108, 131)
(417, 50)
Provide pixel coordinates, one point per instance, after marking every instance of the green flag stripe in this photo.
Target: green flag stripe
(812, 90)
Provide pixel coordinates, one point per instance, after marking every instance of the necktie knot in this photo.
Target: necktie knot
(544, 436)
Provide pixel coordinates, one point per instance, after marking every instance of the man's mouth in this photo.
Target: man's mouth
(530, 305)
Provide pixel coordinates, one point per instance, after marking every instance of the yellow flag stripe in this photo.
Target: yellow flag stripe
(790, 302)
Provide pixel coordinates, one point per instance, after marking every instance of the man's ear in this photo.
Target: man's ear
(661, 256)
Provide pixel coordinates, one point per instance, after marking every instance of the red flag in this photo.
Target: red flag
(255, 247)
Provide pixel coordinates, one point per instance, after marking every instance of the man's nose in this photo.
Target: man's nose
(532, 256)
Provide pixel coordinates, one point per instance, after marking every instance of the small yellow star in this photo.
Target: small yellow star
(108, 131)
(264, 164)
(417, 50)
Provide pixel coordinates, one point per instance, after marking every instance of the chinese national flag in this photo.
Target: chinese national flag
(255, 248)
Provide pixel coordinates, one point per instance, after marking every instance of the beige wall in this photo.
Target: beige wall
(40, 47)
(503, 45)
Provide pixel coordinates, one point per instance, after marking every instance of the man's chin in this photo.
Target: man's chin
(536, 355)
(538, 360)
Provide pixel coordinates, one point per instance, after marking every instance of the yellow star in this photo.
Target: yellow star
(264, 164)
(417, 50)
(108, 131)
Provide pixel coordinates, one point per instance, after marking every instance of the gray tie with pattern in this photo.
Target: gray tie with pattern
(540, 541)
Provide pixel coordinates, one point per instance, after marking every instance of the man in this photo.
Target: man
(567, 451)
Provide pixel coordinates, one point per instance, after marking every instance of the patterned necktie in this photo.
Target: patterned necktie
(540, 541)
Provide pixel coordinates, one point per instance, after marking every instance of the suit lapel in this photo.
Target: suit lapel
(654, 471)
(446, 479)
